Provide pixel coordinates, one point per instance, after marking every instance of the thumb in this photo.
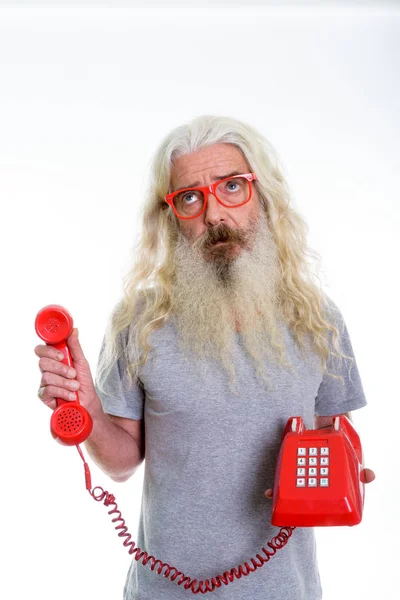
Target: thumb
(367, 475)
(87, 392)
(75, 347)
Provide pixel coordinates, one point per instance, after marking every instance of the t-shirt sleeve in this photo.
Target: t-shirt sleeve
(119, 398)
(334, 396)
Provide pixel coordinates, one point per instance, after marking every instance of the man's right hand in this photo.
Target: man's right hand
(61, 381)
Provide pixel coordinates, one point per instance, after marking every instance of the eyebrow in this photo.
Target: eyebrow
(217, 178)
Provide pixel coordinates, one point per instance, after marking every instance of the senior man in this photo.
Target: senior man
(222, 334)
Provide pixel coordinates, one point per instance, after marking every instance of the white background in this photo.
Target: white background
(86, 95)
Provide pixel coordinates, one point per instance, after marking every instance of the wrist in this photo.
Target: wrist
(95, 408)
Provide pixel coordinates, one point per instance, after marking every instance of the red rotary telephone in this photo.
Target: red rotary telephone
(70, 423)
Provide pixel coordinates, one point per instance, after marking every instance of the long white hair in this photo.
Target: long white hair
(146, 303)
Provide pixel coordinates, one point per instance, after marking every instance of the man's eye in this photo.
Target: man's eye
(190, 198)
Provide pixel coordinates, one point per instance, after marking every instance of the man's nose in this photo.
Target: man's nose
(214, 212)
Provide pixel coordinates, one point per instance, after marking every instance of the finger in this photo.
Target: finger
(58, 381)
(51, 403)
(75, 347)
(57, 367)
(367, 475)
(268, 493)
(48, 351)
(49, 393)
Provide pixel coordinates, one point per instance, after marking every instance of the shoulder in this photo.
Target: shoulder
(332, 312)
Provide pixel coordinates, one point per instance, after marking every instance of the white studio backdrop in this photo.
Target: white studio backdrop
(86, 95)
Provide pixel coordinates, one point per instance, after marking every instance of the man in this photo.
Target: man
(221, 336)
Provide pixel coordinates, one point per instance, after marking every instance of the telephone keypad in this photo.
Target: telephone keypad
(313, 459)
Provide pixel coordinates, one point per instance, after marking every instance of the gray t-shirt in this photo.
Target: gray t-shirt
(211, 455)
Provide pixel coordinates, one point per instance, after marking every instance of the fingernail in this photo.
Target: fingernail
(60, 356)
(72, 396)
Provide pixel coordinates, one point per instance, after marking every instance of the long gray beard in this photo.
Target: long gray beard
(215, 298)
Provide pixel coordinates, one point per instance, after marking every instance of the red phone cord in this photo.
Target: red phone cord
(277, 542)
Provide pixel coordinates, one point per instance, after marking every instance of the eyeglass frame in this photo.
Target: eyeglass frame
(210, 189)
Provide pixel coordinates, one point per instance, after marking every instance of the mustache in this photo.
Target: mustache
(221, 233)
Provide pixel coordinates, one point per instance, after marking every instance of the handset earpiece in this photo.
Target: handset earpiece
(70, 423)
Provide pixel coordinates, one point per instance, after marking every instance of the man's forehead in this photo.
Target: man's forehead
(213, 160)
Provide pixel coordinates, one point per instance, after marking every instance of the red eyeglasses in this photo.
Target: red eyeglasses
(231, 192)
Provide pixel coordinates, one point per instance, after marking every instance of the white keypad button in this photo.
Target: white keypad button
(312, 471)
(324, 460)
(324, 471)
(324, 451)
(300, 482)
(313, 451)
(301, 451)
(324, 482)
(301, 461)
(301, 472)
(312, 461)
(312, 482)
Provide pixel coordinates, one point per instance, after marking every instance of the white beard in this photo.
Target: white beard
(216, 292)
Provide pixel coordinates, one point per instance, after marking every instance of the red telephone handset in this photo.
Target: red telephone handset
(70, 423)
(318, 476)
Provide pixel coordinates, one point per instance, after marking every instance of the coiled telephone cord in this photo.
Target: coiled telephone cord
(276, 543)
